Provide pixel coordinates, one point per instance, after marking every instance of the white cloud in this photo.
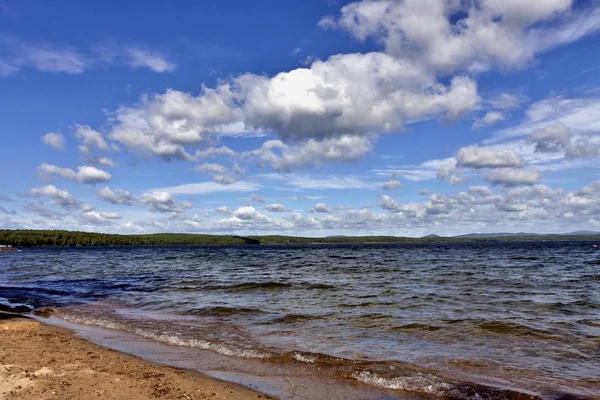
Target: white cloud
(579, 114)
(90, 139)
(84, 174)
(282, 157)
(223, 210)
(163, 202)
(116, 196)
(505, 101)
(489, 119)
(488, 157)
(487, 34)
(101, 162)
(48, 57)
(581, 147)
(54, 140)
(256, 198)
(391, 184)
(554, 137)
(211, 187)
(215, 152)
(61, 198)
(220, 173)
(141, 58)
(321, 208)
(513, 177)
(94, 217)
(308, 182)
(347, 98)
(45, 57)
(249, 213)
(276, 207)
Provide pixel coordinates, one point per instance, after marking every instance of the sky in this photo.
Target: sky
(312, 118)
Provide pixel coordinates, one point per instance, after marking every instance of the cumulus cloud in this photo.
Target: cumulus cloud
(85, 174)
(347, 97)
(54, 140)
(61, 198)
(282, 157)
(256, 198)
(163, 202)
(94, 217)
(276, 207)
(321, 208)
(391, 184)
(581, 147)
(488, 157)
(220, 173)
(101, 162)
(215, 152)
(448, 36)
(554, 137)
(558, 137)
(448, 171)
(116, 196)
(223, 210)
(249, 213)
(513, 177)
(489, 119)
(90, 139)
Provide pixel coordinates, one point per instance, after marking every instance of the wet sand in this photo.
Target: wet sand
(39, 361)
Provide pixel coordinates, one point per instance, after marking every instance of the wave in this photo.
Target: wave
(168, 338)
(270, 285)
(388, 375)
(220, 311)
(417, 327)
(431, 385)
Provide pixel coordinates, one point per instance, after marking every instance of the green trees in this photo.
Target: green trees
(41, 238)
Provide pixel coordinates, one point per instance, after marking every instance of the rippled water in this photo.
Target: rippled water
(432, 319)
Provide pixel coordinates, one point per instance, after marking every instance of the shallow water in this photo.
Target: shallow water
(438, 320)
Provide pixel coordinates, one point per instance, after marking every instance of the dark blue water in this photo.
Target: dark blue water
(442, 320)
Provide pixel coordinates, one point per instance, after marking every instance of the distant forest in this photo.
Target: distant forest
(39, 238)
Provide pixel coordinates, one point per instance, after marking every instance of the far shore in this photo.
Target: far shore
(39, 361)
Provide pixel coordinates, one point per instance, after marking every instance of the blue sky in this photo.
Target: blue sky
(305, 118)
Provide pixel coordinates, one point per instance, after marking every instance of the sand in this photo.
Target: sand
(38, 361)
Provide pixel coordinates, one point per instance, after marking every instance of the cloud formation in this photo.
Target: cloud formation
(446, 36)
(54, 140)
(48, 57)
(116, 196)
(85, 174)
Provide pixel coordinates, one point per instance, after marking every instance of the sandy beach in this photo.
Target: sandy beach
(38, 361)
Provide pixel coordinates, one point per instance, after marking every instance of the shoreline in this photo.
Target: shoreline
(42, 361)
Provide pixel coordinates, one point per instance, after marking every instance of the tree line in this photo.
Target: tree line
(42, 238)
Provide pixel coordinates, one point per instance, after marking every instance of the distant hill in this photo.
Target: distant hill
(523, 234)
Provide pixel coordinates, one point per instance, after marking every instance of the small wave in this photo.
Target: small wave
(417, 327)
(427, 384)
(420, 383)
(222, 311)
(511, 328)
(308, 359)
(291, 318)
(172, 339)
(271, 285)
(251, 286)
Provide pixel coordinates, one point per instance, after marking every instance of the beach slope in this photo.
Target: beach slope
(38, 361)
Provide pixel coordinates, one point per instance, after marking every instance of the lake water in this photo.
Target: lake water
(486, 320)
